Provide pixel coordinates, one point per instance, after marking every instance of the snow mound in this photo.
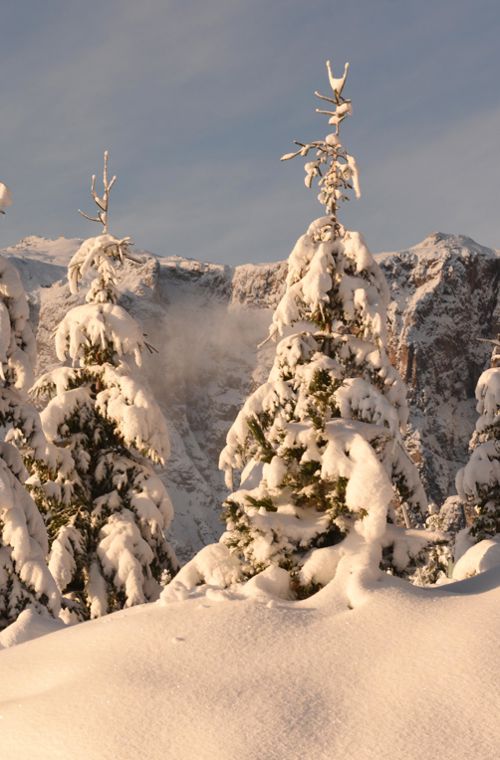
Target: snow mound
(29, 625)
(481, 557)
(402, 675)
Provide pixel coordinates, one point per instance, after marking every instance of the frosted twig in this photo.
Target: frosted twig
(337, 83)
(325, 97)
(102, 203)
(90, 218)
(266, 340)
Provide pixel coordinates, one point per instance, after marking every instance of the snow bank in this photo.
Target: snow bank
(480, 557)
(29, 625)
(405, 675)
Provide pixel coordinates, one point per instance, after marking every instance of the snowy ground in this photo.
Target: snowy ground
(407, 674)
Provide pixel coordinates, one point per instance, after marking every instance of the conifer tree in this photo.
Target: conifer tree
(108, 542)
(25, 580)
(320, 444)
(478, 483)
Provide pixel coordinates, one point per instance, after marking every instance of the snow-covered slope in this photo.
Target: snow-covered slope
(408, 673)
(205, 321)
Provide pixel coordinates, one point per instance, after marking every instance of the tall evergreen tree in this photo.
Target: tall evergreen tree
(320, 443)
(478, 483)
(25, 580)
(108, 542)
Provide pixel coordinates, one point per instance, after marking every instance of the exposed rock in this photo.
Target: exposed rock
(445, 293)
(259, 285)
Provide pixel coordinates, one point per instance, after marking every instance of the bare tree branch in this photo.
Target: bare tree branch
(90, 218)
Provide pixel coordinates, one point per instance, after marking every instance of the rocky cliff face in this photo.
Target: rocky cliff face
(205, 322)
(446, 300)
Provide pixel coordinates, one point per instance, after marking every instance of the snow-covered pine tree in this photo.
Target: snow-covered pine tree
(478, 483)
(320, 444)
(25, 580)
(108, 543)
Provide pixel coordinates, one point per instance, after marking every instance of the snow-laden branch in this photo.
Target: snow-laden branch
(98, 254)
(335, 169)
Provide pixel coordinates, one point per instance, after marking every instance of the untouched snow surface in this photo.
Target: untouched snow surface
(407, 674)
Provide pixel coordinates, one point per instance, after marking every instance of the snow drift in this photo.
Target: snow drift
(408, 673)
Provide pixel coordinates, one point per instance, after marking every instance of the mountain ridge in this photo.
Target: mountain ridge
(207, 320)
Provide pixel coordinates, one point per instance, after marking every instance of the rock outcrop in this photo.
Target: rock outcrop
(445, 303)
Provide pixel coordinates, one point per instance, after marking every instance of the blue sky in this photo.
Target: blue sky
(196, 100)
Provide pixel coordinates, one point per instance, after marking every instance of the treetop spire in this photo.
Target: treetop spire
(98, 253)
(102, 203)
(335, 169)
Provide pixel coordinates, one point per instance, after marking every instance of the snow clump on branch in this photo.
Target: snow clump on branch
(25, 580)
